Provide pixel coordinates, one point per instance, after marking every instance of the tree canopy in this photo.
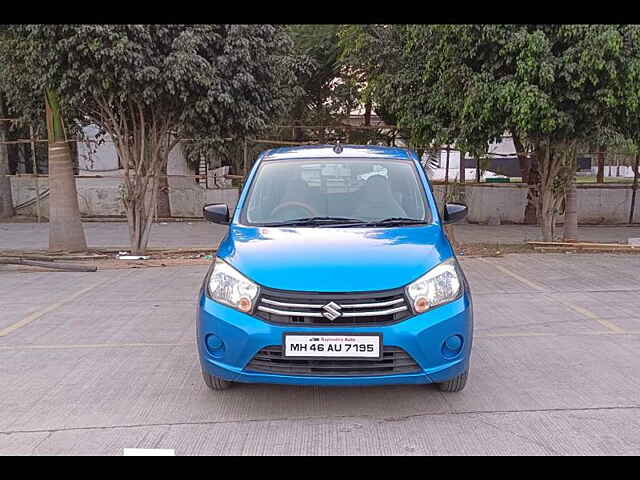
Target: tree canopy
(473, 82)
(150, 85)
(218, 80)
(553, 86)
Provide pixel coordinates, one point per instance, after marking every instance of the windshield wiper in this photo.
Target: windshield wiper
(313, 221)
(344, 221)
(395, 221)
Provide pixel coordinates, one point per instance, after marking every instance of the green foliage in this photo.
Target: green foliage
(369, 54)
(330, 93)
(553, 86)
(316, 47)
(471, 83)
(209, 80)
(150, 85)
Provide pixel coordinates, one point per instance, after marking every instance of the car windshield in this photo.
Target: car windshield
(329, 192)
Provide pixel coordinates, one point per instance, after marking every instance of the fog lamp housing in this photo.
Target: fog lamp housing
(452, 346)
(215, 345)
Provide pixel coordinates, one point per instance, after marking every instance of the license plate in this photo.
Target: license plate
(332, 345)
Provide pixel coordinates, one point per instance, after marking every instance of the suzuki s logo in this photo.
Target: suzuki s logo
(332, 311)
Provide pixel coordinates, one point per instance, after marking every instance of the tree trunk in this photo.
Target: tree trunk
(547, 229)
(446, 179)
(571, 213)
(144, 190)
(163, 203)
(529, 174)
(548, 214)
(600, 174)
(298, 113)
(533, 180)
(140, 217)
(463, 179)
(636, 175)
(549, 166)
(6, 199)
(523, 160)
(367, 112)
(446, 168)
(65, 227)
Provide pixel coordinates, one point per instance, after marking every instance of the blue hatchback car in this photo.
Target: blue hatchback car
(336, 270)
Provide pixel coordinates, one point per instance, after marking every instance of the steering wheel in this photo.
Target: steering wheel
(312, 212)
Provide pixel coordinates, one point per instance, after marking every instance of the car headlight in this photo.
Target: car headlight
(227, 285)
(439, 285)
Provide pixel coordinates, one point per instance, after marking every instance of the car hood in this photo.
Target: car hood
(334, 259)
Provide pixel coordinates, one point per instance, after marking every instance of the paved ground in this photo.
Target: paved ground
(92, 363)
(33, 236)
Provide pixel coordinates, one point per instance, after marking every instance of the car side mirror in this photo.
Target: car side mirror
(216, 213)
(454, 212)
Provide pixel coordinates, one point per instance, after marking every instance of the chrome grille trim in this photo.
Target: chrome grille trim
(344, 305)
(375, 305)
(375, 313)
(287, 307)
(289, 312)
(290, 305)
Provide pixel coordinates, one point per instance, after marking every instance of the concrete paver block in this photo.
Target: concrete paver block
(117, 368)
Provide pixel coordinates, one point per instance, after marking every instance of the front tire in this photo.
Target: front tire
(215, 383)
(456, 384)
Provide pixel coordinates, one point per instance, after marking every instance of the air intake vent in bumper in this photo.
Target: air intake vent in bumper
(271, 360)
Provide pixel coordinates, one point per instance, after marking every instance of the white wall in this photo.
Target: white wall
(596, 205)
(93, 157)
(505, 147)
(185, 195)
(102, 196)
(612, 171)
(605, 205)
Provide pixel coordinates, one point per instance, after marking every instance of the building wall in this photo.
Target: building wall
(102, 196)
(609, 204)
(186, 196)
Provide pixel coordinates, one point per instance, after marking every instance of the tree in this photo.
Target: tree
(368, 52)
(6, 200)
(29, 96)
(149, 85)
(65, 226)
(316, 47)
(553, 86)
(365, 52)
(331, 90)
(576, 79)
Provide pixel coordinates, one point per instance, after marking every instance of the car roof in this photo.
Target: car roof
(327, 151)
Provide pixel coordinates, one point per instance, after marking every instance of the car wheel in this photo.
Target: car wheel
(215, 383)
(456, 384)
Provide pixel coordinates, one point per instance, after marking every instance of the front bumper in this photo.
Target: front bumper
(421, 336)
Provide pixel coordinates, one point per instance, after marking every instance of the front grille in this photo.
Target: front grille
(394, 361)
(311, 308)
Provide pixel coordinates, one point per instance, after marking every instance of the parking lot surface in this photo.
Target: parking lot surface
(199, 234)
(93, 363)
